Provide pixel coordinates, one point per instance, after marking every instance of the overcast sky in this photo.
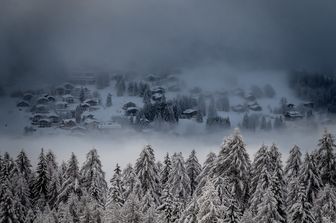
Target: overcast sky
(46, 37)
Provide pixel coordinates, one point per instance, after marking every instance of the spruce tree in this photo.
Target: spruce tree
(71, 180)
(301, 210)
(166, 170)
(116, 190)
(233, 163)
(209, 210)
(193, 168)
(179, 181)
(326, 203)
(147, 172)
(260, 161)
(207, 171)
(293, 164)
(310, 177)
(93, 177)
(41, 184)
(326, 161)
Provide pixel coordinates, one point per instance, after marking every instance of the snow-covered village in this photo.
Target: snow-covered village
(167, 111)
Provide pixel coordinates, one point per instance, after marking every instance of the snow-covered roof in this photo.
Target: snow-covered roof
(68, 96)
(189, 111)
(109, 125)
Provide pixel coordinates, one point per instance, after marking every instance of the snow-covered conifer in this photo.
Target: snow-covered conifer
(194, 168)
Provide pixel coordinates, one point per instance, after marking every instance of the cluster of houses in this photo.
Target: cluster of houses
(66, 106)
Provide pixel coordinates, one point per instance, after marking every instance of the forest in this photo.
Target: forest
(228, 187)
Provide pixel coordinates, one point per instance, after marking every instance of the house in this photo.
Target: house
(129, 105)
(44, 123)
(36, 118)
(157, 97)
(238, 108)
(250, 97)
(69, 123)
(91, 102)
(54, 118)
(293, 115)
(91, 123)
(27, 96)
(41, 108)
(85, 106)
(51, 98)
(42, 100)
(23, 104)
(254, 106)
(131, 111)
(158, 90)
(189, 113)
(68, 98)
(87, 115)
(61, 105)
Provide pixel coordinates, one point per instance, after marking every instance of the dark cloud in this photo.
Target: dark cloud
(46, 38)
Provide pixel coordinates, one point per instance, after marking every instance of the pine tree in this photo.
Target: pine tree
(267, 209)
(7, 201)
(170, 208)
(326, 161)
(131, 211)
(93, 177)
(166, 170)
(300, 211)
(24, 166)
(129, 180)
(294, 163)
(260, 161)
(53, 186)
(179, 181)
(193, 168)
(247, 217)
(189, 215)
(233, 163)
(146, 170)
(326, 203)
(116, 190)
(42, 181)
(71, 180)
(310, 177)
(207, 171)
(209, 205)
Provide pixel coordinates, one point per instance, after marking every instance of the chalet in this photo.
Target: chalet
(36, 118)
(69, 123)
(41, 108)
(42, 100)
(51, 98)
(27, 96)
(158, 90)
(68, 87)
(87, 115)
(250, 97)
(54, 118)
(85, 106)
(290, 106)
(23, 104)
(91, 123)
(91, 102)
(129, 105)
(238, 108)
(190, 113)
(44, 123)
(131, 111)
(157, 97)
(293, 115)
(61, 105)
(68, 98)
(254, 106)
